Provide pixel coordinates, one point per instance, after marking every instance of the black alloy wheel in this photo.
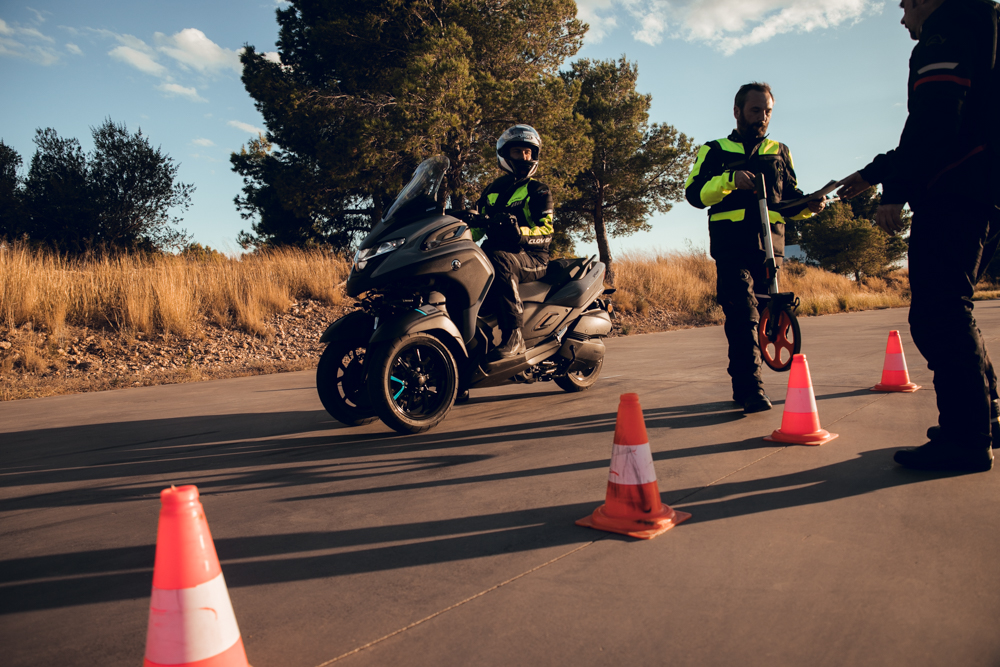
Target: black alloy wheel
(340, 382)
(581, 380)
(412, 382)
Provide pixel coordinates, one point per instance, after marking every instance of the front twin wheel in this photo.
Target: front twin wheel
(412, 382)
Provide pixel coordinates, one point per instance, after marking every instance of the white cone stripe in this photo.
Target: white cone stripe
(800, 400)
(190, 624)
(631, 464)
(894, 362)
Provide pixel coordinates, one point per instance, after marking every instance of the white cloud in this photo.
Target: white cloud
(246, 127)
(32, 32)
(600, 26)
(194, 50)
(203, 142)
(19, 42)
(273, 56)
(176, 90)
(730, 26)
(38, 15)
(74, 49)
(140, 60)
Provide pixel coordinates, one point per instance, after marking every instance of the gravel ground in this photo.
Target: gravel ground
(35, 364)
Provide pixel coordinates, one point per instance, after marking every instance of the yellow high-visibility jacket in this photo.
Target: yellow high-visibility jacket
(734, 225)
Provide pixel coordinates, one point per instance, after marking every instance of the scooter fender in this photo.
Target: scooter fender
(358, 325)
(425, 318)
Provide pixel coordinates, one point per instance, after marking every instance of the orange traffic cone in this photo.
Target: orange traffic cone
(191, 620)
(632, 506)
(894, 374)
(800, 421)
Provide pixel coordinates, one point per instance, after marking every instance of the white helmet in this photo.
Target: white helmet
(523, 136)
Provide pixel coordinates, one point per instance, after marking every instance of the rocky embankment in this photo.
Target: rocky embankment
(35, 363)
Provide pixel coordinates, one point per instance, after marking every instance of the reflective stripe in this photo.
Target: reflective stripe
(716, 189)
(894, 362)
(731, 146)
(738, 214)
(769, 147)
(735, 215)
(631, 464)
(190, 624)
(702, 152)
(800, 400)
(943, 77)
(928, 68)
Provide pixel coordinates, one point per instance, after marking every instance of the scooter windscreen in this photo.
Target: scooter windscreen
(420, 194)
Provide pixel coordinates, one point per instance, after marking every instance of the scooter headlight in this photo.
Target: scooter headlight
(362, 257)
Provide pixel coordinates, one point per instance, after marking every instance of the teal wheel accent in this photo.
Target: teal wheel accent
(396, 379)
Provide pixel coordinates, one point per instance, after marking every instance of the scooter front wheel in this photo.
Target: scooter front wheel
(787, 341)
(340, 383)
(412, 382)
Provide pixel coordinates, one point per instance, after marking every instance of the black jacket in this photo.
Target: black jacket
(952, 99)
(530, 202)
(734, 225)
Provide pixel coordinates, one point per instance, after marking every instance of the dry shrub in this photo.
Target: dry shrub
(32, 360)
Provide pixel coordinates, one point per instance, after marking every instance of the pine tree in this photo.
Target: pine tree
(636, 168)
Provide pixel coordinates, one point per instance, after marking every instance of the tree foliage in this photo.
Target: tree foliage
(844, 239)
(636, 169)
(133, 190)
(365, 91)
(118, 197)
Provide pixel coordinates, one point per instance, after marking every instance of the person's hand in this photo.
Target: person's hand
(889, 218)
(852, 186)
(817, 205)
(466, 216)
(744, 180)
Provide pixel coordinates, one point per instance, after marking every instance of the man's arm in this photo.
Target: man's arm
(709, 181)
(942, 68)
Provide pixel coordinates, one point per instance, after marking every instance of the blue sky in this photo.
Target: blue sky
(837, 67)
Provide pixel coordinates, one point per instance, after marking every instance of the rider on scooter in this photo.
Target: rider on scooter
(516, 217)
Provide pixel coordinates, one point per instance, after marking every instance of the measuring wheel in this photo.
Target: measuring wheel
(779, 337)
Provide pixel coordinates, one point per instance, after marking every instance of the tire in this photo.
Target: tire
(777, 354)
(412, 382)
(340, 383)
(580, 380)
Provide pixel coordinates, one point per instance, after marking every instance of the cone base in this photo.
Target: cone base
(909, 387)
(820, 437)
(645, 529)
(234, 656)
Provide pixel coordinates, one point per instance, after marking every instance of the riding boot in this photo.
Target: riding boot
(511, 345)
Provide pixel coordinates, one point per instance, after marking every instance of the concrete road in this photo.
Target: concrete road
(356, 546)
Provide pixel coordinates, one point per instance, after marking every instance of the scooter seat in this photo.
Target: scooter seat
(534, 291)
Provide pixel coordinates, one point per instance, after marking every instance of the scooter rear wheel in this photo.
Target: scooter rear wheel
(580, 380)
(777, 353)
(412, 382)
(340, 383)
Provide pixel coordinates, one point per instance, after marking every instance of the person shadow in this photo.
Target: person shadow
(870, 471)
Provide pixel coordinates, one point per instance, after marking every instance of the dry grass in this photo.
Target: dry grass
(170, 294)
(678, 289)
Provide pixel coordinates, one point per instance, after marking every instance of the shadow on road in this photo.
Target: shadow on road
(86, 577)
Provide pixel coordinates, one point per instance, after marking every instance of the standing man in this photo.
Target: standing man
(722, 180)
(946, 168)
(516, 217)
